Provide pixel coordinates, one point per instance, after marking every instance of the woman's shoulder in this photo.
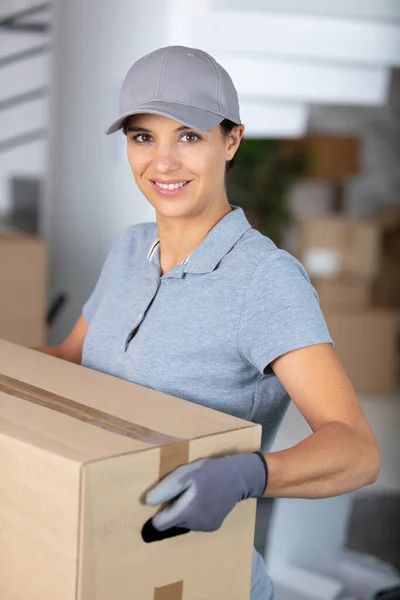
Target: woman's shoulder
(266, 256)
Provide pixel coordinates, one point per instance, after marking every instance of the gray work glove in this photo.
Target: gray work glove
(204, 492)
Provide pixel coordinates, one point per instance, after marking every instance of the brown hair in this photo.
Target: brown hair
(226, 127)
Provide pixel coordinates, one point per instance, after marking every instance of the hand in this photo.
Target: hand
(204, 492)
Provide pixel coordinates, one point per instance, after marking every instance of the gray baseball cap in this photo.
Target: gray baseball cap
(184, 84)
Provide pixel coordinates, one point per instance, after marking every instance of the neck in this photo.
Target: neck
(180, 236)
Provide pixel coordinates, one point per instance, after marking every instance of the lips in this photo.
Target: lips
(170, 192)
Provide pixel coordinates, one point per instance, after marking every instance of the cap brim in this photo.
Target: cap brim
(190, 116)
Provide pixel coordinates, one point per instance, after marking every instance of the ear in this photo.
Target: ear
(233, 140)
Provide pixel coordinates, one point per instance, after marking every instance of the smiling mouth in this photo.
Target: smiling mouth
(170, 189)
(171, 186)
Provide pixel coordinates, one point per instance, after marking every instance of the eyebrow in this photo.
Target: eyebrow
(145, 130)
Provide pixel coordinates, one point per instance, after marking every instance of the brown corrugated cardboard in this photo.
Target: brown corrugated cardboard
(332, 157)
(78, 450)
(367, 345)
(23, 268)
(386, 291)
(335, 246)
(343, 293)
(388, 216)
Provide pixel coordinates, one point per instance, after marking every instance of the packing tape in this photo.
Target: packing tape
(174, 452)
(79, 411)
(174, 591)
(173, 456)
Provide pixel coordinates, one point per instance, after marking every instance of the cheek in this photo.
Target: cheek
(208, 165)
(136, 162)
(131, 158)
(216, 167)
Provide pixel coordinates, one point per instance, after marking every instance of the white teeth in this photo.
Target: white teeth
(170, 186)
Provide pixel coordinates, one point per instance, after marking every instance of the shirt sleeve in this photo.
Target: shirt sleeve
(104, 281)
(281, 312)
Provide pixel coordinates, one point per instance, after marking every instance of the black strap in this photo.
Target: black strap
(264, 462)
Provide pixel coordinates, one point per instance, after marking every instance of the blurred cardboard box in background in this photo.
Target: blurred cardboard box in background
(332, 246)
(343, 293)
(367, 344)
(23, 280)
(386, 291)
(354, 266)
(333, 158)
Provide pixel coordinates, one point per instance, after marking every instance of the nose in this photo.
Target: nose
(166, 158)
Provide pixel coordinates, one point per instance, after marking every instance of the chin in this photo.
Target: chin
(172, 208)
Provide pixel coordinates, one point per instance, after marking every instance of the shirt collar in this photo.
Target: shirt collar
(217, 243)
(154, 252)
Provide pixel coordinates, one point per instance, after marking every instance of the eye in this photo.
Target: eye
(191, 137)
(141, 138)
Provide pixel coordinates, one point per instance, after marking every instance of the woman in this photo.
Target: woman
(201, 306)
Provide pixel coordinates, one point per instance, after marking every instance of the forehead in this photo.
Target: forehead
(153, 121)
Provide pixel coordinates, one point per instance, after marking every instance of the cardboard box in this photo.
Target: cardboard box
(333, 158)
(386, 291)
(343, 293)
(23, 272)
(388, 216)
(333, 246)
(78, 451)
(367, 345)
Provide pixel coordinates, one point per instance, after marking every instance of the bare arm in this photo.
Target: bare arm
(341, 454)
(71, 348)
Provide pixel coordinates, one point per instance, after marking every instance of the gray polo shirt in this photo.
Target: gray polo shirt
(207, 330)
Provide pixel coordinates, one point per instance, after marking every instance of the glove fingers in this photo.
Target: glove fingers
(172, 485)
(174, 515)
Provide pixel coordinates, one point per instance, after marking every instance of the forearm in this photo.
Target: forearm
(51, 350)
(334, 460)
(70, 353)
